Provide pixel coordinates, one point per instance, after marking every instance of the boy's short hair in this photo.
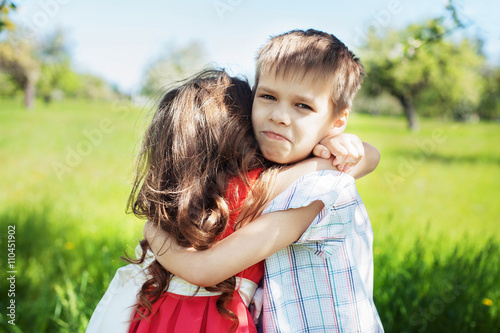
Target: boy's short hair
(302, 53)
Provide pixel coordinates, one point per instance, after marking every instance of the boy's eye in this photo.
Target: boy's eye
(270, 97)
(304, 106)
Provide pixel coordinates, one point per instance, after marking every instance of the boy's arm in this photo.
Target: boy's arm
(254, 242)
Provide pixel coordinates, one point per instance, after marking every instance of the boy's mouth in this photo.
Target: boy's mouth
(275, 136)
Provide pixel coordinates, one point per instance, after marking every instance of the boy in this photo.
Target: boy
(323, 282)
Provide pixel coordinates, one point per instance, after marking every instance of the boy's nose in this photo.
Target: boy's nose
(279, 115)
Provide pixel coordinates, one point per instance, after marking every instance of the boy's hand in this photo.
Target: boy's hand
(347, 150)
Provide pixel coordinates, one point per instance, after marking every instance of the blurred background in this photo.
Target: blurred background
(78, 78)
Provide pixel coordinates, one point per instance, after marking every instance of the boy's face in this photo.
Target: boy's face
(290, 116)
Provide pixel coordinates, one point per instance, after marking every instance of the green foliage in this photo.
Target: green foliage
(432, 202)
(490, 103)
(439, 292)
(57, 81)
(8, 86)
(381, 104)
(44, 68)
(6, 7)
(425, 70)
(18, 60)
(52, 48)
(92, 87)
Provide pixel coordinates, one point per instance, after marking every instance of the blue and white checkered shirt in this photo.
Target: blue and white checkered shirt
(324, 281)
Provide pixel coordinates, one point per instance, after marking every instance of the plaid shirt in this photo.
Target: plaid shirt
(324, 281)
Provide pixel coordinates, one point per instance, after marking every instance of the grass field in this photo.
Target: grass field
(433, 202)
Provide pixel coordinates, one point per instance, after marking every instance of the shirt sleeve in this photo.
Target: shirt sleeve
(330, 227)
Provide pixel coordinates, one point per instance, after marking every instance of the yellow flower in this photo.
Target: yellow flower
(69, 246)
(487, 302)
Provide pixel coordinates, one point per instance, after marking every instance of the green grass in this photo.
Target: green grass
(69, 210)
(433, 201)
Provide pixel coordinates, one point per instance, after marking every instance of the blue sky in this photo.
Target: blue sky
(117, 39)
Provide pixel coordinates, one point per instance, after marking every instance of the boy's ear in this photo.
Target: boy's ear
(340, 123)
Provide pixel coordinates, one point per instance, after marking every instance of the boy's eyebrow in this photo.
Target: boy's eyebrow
(259, 87)
(304, 98)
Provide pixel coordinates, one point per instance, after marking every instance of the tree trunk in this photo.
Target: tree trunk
(29, 93)
(410, 112)
(47, 98)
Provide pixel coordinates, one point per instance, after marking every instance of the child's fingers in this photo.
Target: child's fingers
(352, 150)
(321, 151)
(256, 315)
(339, 159)
(351, 160)
(358, 144)
(345, 167)
(257, 302)
(334, 146)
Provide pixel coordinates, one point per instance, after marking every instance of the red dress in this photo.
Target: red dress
(185, 314)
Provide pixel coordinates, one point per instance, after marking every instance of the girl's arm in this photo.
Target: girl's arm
(254, 242)
(259, 239)
(368, 162)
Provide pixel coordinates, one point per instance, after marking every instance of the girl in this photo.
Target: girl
(197, 162)
(199, 158)
(198, 144)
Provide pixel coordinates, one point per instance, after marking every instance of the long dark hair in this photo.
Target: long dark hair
(199, 138)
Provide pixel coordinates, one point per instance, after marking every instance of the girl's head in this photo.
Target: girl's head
(199, 138)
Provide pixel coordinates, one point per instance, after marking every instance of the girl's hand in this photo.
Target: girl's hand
(347, 150)
(255, 307)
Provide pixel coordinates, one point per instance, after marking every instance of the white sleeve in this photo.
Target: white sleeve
(117, 307)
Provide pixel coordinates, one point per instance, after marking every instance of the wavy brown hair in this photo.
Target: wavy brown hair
(199, 138)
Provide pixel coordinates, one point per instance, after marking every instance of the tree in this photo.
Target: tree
(6, 7)
(18, 59)
(92, 87)
(420, 66)
(44, 67)
(57, 76)
(174, 64)
(58, 81)
(490, 103)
